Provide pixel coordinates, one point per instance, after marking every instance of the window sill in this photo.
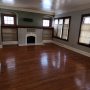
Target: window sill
(60, 38)
(87, 45)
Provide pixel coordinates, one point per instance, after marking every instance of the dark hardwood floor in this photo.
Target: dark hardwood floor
(47, 67)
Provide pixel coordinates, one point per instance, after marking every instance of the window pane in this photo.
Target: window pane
(8, 20)
(86, 20)
(11, 18)
(65, 32)
(61, 21)
(55, 30)
(66, 21)
(60, 27)
(11, 22)
(55, 27)
(46, 23)
(85, 34)
(56, 21)
(65, 29)
(5, 18)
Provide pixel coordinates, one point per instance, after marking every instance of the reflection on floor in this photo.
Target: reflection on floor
(46, 67)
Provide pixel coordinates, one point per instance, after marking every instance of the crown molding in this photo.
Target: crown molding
(56, 12)
(27, 10)
(78, 8)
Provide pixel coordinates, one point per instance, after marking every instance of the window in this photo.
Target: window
(84, 37)
(8, 19)
(65, 29)
(46, 23)
(55, 27)
(61, 28)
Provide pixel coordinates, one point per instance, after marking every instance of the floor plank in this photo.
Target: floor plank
(46, 67)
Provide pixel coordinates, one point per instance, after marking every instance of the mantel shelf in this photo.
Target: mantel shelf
(18, 26)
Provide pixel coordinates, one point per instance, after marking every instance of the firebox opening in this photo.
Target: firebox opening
(30, 39)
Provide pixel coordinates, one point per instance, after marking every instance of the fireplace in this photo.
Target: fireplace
(30, 39)
(29, 36)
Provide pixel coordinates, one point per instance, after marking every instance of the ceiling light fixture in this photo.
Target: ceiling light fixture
(8, 1)
(46, 4)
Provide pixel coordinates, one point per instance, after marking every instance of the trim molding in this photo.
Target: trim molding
(27, 10)
(0, 46)
(82, 7)
(9, 42)
(23, 26)
(30, 44)
(47, 41)
(73, 49)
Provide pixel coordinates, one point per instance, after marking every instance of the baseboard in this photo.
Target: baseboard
(47, 41)
(21, 45)
(39, 44)
(71, 48)
(10, 42)
(0, 46)
(31, 44)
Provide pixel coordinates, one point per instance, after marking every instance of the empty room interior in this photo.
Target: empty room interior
(44, 44)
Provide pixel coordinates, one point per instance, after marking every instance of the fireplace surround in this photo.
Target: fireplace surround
(24, 33)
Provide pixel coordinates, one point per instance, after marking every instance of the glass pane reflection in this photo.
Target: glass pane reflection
(56, 61)
(44, 63)
(11, 63)
(0, 67)
(44, 60)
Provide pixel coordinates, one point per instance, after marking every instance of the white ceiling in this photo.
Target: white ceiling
(47, 6)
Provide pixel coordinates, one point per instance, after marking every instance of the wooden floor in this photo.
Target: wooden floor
(47, 67)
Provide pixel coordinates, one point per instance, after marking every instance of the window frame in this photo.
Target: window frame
(81, 22)
(11, 15)
(63, 27)
(49, 22)
(53, 29)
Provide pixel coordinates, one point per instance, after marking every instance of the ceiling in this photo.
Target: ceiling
(45, 6)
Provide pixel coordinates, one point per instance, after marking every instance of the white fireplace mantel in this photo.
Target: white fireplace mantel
(23, 34)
